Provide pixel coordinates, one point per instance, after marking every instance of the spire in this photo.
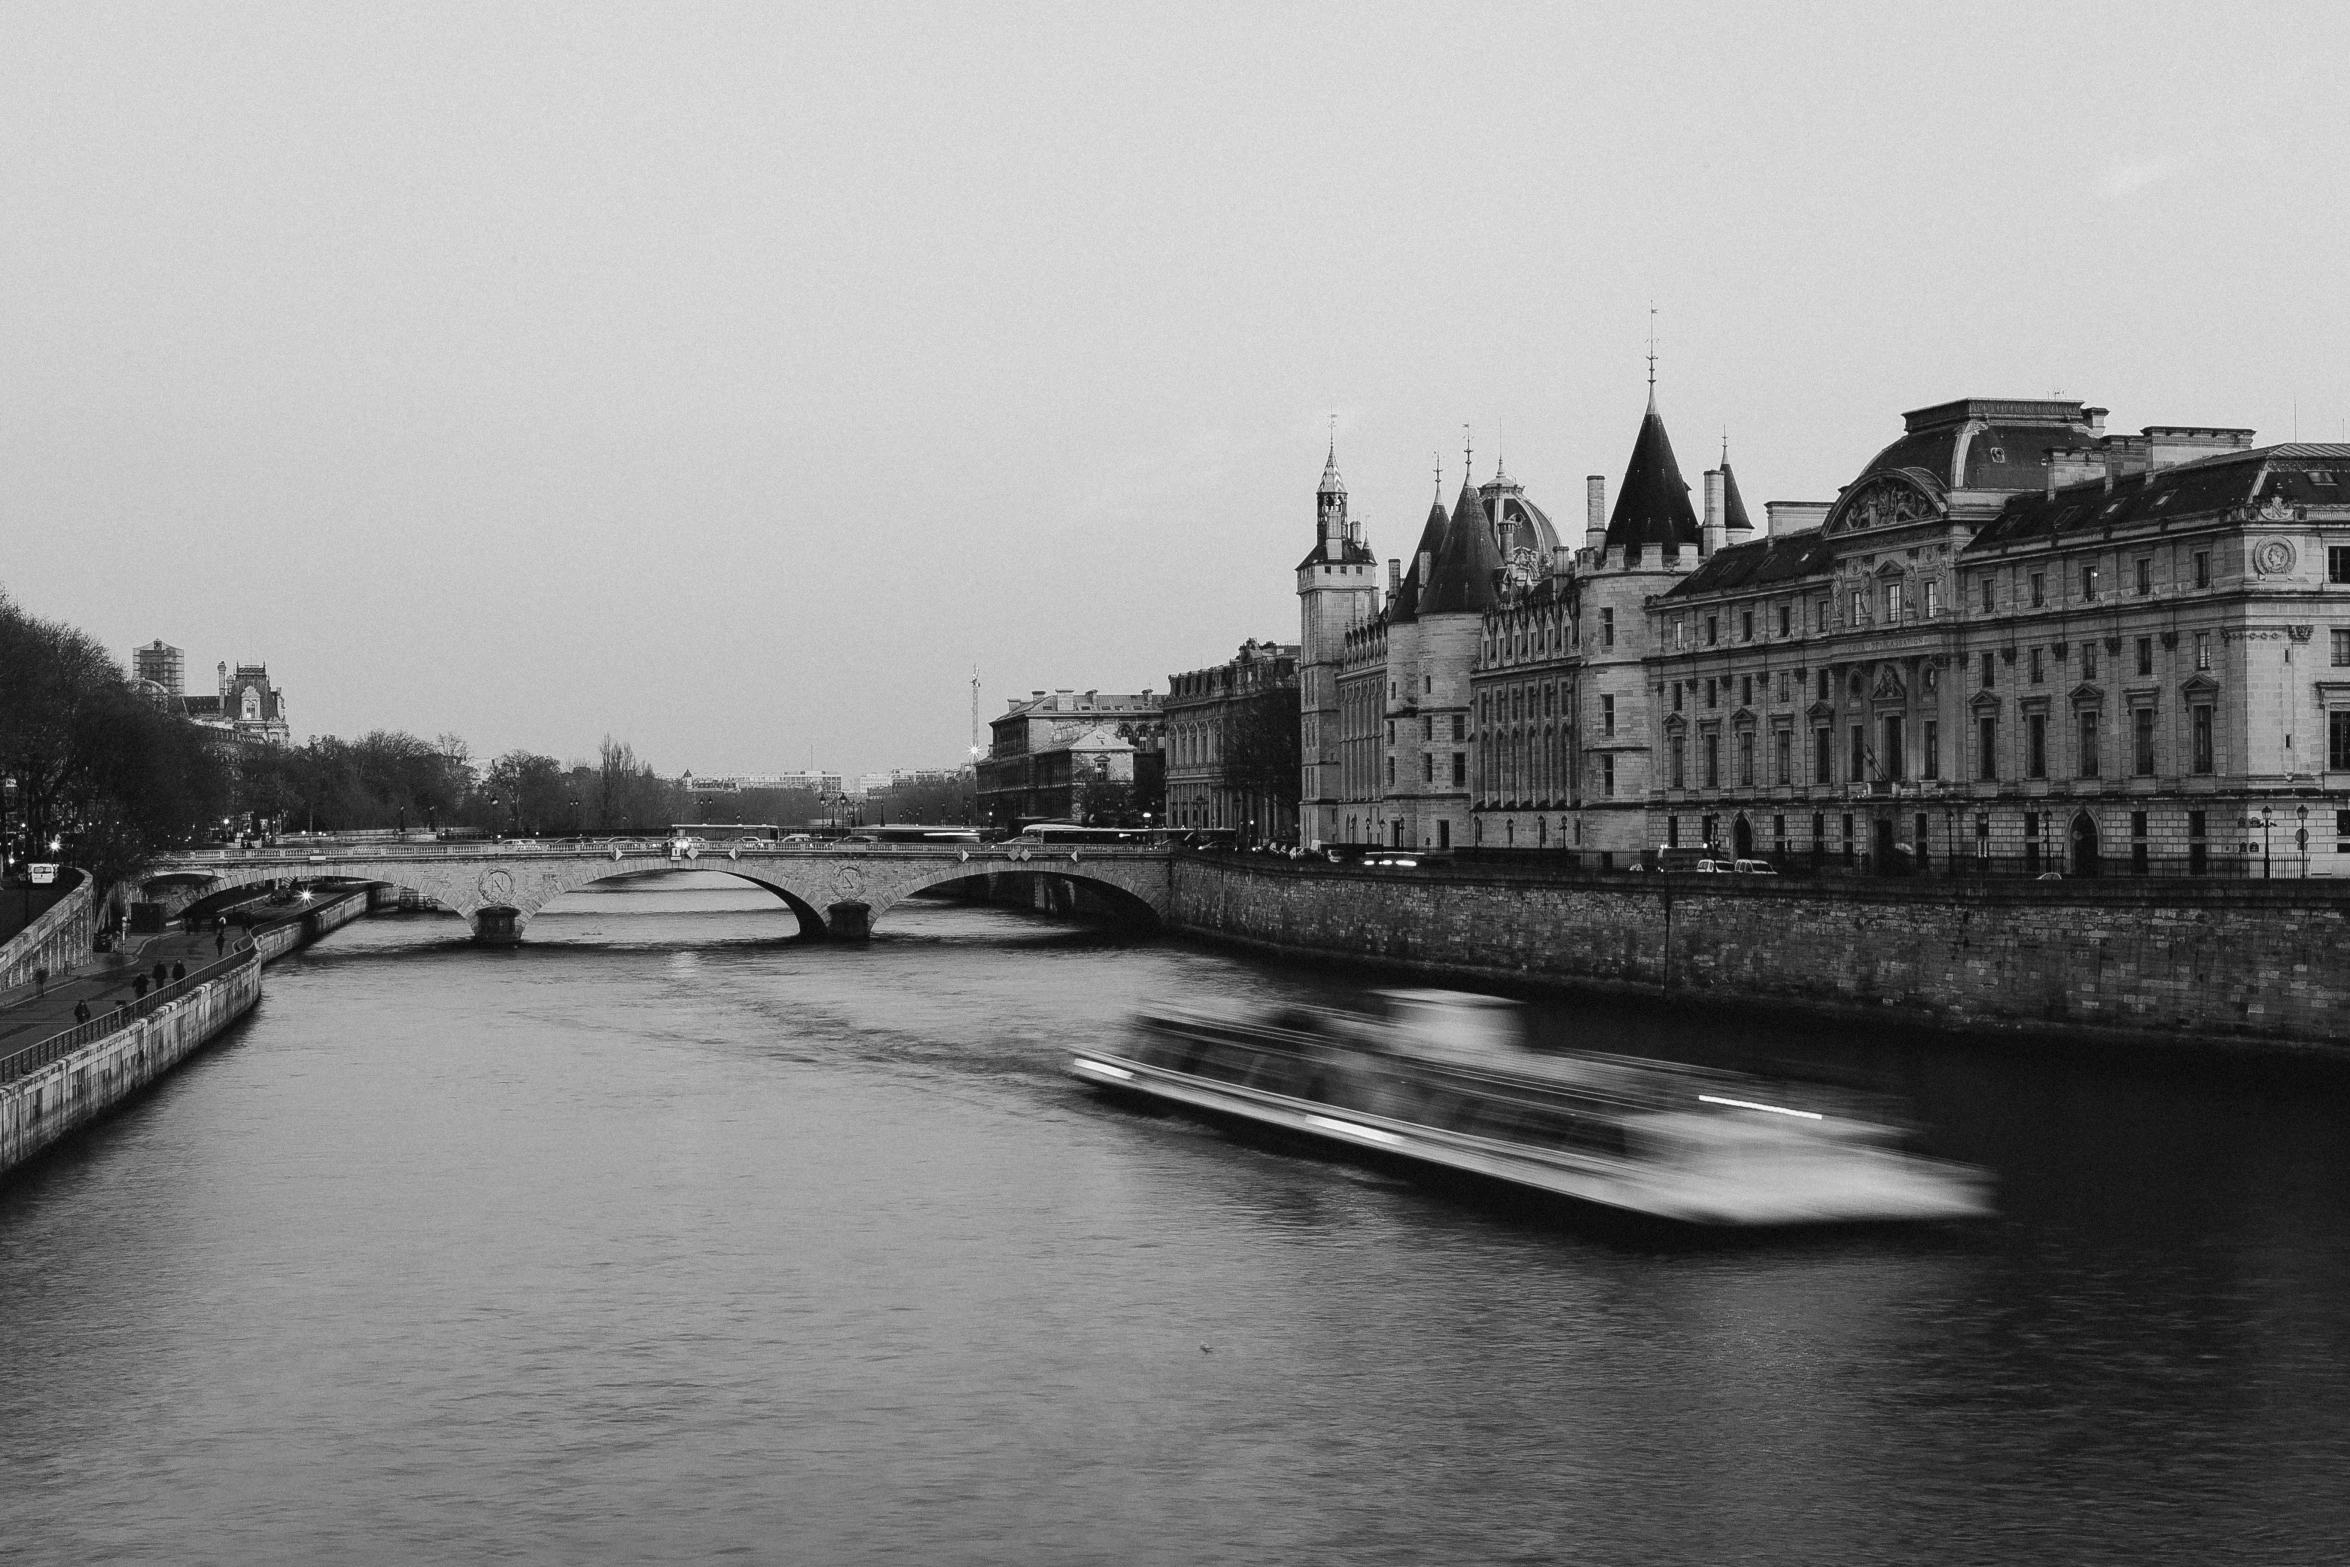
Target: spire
(1733, 504)
(1652, 507)
(1431, 545)
(1468, 565)
(1331, 483)
(1652, 356)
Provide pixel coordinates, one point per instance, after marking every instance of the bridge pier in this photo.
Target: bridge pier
(849, 921)
(497, 927)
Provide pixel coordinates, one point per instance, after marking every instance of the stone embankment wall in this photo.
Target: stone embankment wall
(68, 1094)
(2254, 964)
(56, 941)
(38, 1109)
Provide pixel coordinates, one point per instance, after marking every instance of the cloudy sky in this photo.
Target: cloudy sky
(734, 379)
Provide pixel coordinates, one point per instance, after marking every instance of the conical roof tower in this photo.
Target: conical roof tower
(1652, 507)
(1466, 568)
(1431, 545)
(1734, 516)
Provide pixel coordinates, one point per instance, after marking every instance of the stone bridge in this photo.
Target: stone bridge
(837, 891)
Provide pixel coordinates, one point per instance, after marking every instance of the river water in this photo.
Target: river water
(658, 1239)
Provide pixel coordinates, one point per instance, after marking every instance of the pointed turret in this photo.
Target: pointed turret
(1652, 506)
(1334, 539)
(1468, 565)
(1415, 575)
(1734, 505)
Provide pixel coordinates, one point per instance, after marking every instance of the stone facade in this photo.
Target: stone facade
(1225, 725)
(1066, 755)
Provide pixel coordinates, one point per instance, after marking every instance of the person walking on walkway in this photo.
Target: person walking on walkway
(81, 1012)
(179, 971)
(139, 987)
(219, 937)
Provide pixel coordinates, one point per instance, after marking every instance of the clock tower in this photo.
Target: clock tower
(1337, 590)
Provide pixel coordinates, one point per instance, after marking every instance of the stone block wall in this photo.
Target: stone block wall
(2200, 964)
(56, 941)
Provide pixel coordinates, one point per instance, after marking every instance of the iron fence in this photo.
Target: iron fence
(57, 1046)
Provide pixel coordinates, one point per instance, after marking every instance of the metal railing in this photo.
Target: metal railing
(57, 1046)
(570, 848)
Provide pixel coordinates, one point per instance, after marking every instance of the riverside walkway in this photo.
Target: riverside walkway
(32, 1013)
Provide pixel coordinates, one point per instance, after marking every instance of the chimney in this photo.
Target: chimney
(1595, 513)
(1715, 535)
(1785, 517)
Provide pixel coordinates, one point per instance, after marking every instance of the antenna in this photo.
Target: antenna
(1334, 437)
(1439, 475)
(1468, 457)
(974, 709)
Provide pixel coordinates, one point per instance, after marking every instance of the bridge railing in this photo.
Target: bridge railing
(57, 1046)
(654, 847)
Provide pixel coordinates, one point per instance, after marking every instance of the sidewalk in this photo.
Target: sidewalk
(28, 1015)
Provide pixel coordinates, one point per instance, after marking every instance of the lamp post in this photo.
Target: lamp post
(2301, 838)
(2264, 857)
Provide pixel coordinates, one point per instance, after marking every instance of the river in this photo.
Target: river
(658, 1239)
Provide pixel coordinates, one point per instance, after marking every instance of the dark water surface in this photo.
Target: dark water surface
(657, 1240)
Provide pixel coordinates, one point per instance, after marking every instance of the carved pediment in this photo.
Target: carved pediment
(1676, 724)
(2087, 695)
(1885, 501)
(1820, 710)
(1985, 702)
(1889, 687)
(1743, 717)
(2200, 688)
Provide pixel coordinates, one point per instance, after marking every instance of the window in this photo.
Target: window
(2202, 650)
(2142, 742)
(2145, 655)
(1859, 757)
(2039, 589)
(1746, 687)
(1819, 614)
(2036, 745)
(2199, 734)
(1746, 625)
(1746, 759)
(1713, 761)
(1983, 836)
(2342, 647)
(2144, 567)
(2338, 741)
(1391, 772)
(1677, 750)
(2039, 676)
(1391, 731)
(1932, 760)
(1607, 715)
(1933, 599)
(1892, 603)
(2197, 849)
(2031, 843)
(2088, 661)
(1783, 761)
(1712, 691)
(1786, 616)
(1680, 633)
(1607, 630)
(2203, 568)
(1848, 837)
(1607, 773)
(1823, 685)
(2338, 563)
(1677, 685)
(1427, 767)
(1460, 768)
(1427, 726)
(1860, 608)
(1782, 685)
(1713, 629)
(1989, 677)
(1822, 757)
(2087, 720)
(1985, 579)
(2089, 584)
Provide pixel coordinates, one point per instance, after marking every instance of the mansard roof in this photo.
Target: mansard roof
(1652, 505)
(2271, 479)
(1760, 564)
(1463, 581)
(1983, 443)
(1733, 504)
(1349, 552)
(1407, 595)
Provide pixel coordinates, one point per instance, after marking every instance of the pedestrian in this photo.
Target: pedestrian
(40, 982)
(179, 971)
(81, 1012)
(159, 973)
(139, 987)
(219, 938)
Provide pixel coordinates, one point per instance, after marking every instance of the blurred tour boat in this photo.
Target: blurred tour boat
(1441, 1079)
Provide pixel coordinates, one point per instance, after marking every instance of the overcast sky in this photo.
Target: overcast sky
(734, 379)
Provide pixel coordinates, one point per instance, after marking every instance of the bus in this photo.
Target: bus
(1070, 832)
(920, 834)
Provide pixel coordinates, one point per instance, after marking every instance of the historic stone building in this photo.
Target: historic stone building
(1229, 734)
(1338, 590)
(248, 708)
(1067, 755)
(2020, 643)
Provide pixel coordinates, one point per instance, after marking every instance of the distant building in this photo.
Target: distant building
(248, 708)
(166, 666)
(1229, 738)
(1066, 755)
(812, 781)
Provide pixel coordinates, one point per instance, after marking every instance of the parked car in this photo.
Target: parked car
(1755, 868)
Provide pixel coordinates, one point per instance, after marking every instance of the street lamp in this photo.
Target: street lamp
(2264, 860)
(2301, 838)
